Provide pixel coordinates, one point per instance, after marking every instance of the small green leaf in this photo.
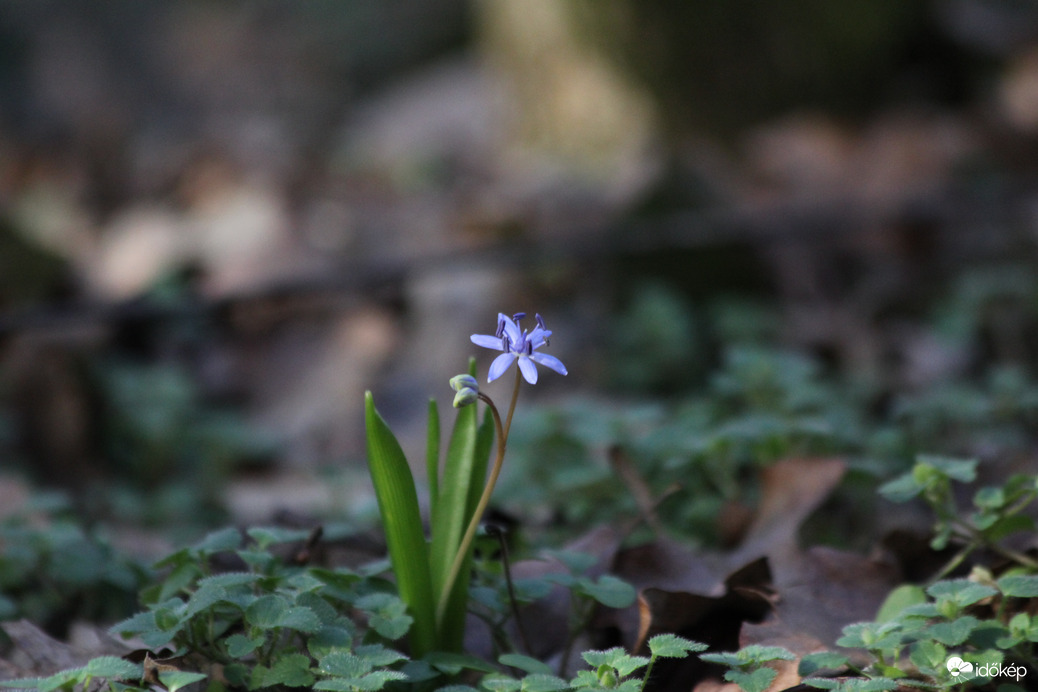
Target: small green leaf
(1019, 585)
(219, 541)
(901, 489)
(344, 664)
(141, 622)
(962, 470)
(292, 670)
(203, 599)
(168, 618)
(388, 614)
(821, 661)
(337, 685)
(755, 653)
(608, 657)
(61, 679)
(756, 681)
(961, 592)
(378, 655)
(853, 684)
(673, 646)
(239, 645)
(608, 590)
(538, 682)
(724, 658)
(955, 632)
(258, 560)
(368, 682)
(586, 678)
(324, 610)
(266, 612)
(1006, 526)
(575, 561)
(900, 598)
(377, 679)
(230, 579)
(175, 679)
(113, 667)
(500, 683)
(929, 655)
(268, 536)
(237, 674)
(330, 638)
(628, 664)
(871, 635)
(301, 619)
(178, 580)
(990, 498)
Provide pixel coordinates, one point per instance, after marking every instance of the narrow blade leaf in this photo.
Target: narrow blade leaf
(398, 506)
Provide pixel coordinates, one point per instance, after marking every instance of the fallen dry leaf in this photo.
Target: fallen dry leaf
(828, 590)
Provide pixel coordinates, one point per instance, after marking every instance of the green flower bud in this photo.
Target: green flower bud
(465, 396)
(460, 382)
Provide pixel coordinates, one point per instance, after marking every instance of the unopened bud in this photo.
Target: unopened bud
(460, 382)
(465, 396)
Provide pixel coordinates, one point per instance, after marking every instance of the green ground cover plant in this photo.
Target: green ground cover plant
(240, 610)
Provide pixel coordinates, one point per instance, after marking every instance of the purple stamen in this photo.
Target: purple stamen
(518, 316)
(540, 321)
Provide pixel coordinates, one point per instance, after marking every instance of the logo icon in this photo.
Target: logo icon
(956, 666)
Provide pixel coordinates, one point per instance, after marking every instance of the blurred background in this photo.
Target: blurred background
(221, 222)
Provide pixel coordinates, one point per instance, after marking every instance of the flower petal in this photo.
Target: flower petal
(487, 341)
(549, 362)
(528, 369)
(539, 337)
(511, 328)
(500, 364)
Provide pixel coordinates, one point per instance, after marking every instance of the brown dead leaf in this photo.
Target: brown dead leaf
(828, 590)
(712, 620)
(790, 491)
(813, 595)
(154, 667)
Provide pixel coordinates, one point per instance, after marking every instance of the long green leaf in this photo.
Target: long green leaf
(474, 475)
(484, 442)
(398, 505)
(432, 458)
(452, 512)
(454, 619)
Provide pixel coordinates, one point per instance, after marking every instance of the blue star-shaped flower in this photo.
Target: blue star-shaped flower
(518, 344)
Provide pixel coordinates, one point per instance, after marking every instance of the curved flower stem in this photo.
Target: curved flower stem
(484, 500)
(511, 408)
